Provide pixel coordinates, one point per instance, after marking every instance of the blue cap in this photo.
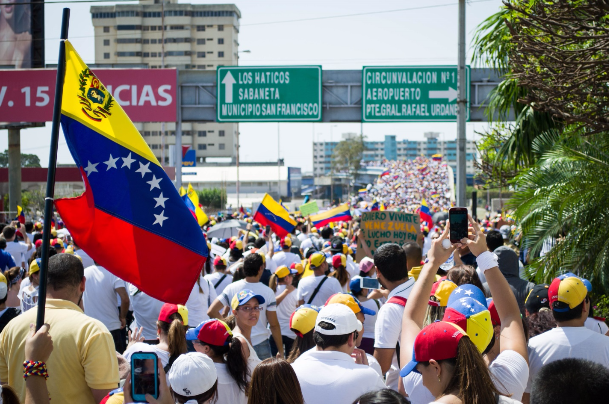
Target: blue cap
(588, 284)
(243, 297)
(354, 285)
(467, 290)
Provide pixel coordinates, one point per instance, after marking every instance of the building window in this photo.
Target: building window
(153, 54)
(128, 54)
(176, 27)
(128, 27)
(128, 14)
(106, 56)
(220, 41)
(128, 40)
(220, 27)
(145, 41)
(106, 29)
(153, 41)
(201, 67)
(221, 146)
(176, 40)
(147, 133)
(200, 54)
(201, 41)
(146, 54)
(200, 28)
(106, 42)
(154, 146)
(202, 147)
(104, 15)
(220, 54)
(221, 133)
(178, 53)
(201, 133)
(152, 14)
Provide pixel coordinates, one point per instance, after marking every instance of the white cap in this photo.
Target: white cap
(192, 374)
(339, 315)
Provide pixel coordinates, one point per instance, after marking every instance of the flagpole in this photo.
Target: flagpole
(48, 200)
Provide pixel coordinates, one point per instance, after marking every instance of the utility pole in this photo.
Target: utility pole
(278, 164)
(461, 110)
(238, 206)
(163, 66)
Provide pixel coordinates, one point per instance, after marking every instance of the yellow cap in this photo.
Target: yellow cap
(284, 271)
(415, 272)
(317, 259)
(35, 266)
(298, 267)
(303, 320)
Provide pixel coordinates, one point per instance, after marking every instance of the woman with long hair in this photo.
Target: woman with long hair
(361, 294)
(246, 308)
(274, 382)
(281, 283)
(215, 339)
(14, 277)
(339, 263)
(302, 323)
(464, 274)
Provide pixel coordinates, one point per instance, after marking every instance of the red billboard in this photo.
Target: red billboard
(146, 95)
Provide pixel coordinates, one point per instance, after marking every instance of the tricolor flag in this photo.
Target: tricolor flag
(194, 197)
(128, 197)
(374, 207)
(436, 157)
(425, 213)
(362, 192)
(384, 173)
(341, 213)
(20, 215)
(271, 213)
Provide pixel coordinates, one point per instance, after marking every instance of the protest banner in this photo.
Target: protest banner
(309, 208)
(382, 227)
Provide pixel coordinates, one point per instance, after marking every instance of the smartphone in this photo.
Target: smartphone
(458, 224)
(369, 283)
(267, 229)
(144, 376)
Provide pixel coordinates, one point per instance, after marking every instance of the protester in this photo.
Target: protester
(253, 266)
(199, 300)
(302, 323)
(361, 294)
(508, 265)
(285, 295)
(146, 310)
(247, 307)
(215, 339)
(339, 263)
(6, 259)
(16, 248)
(220, 279)
(367, 268)
(385, 396)
(315, 290)
(100, 302)
(465, 275)
(274, 382)
(87, 368)
(285, 257)
(6, 313)
(321, 371)
(28, 292)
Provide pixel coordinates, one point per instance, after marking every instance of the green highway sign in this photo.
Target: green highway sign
(411, 93)
(269, 94)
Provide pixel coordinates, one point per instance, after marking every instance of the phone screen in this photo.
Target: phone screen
(267, 229)
(369, 283)
(145, 377)
(458, 224)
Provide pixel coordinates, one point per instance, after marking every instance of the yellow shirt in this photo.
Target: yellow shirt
(83, 355)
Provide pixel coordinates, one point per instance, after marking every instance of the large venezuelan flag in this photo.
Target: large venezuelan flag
(130, 219)
(341, 213)
(271, 213)
(425, 213)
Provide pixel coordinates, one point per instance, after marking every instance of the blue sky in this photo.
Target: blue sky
(320, 32)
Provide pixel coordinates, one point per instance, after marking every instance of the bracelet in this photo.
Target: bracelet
(487, 260)
(36, 368)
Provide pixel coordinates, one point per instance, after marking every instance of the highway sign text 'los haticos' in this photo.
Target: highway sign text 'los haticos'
(277, 94)
(411, 93)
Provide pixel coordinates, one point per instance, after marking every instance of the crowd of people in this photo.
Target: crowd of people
(294, 320)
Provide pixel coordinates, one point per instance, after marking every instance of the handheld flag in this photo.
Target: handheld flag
(374, 207)
(271, 213)
(425, 213)
(194, 198)
(182, 191)
(384, 173)
(341, 213)
(128, 197)
(20, 215)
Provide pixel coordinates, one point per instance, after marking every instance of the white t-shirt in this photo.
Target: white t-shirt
(333, 377)
(511, 373)
(307, 286)
(307, 243)
(28, 298)
(352, 267)
(146, 311)
(285, 310)
(270, 264)
(143, 347)
(18, 250)
(99, 299)
(388, 329)
(259, 332)
(228, 391)
(596, 325)
(566, 342)
(214, 277)
(417, 392)
(285, 258)
(198, 303)
(370, 321)
(374, 364)
(87, 261)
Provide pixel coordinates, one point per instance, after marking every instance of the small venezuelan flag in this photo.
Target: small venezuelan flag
(271, 213)
(20, 215)
(341, 213)
(425, 213)
(127, 193)
(384, 173)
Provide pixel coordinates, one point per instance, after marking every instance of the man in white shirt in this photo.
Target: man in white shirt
(16, 248)
(392, 273)
(285, 257)
(317, 289)
(253, 267)
(101, 303)
(146, 311)
(219, 279)
(570, 305)
(328, 373)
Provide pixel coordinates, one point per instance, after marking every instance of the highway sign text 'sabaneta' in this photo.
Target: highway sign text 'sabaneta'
(411, 93)
(275, 94)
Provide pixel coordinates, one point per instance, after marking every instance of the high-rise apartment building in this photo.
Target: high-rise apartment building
(184, 36)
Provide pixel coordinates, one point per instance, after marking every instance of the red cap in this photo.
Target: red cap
(169, 309)
(212, 332)
(285, 242)
(219, 261)
(339, 260)
(38, 243)
(494, 315)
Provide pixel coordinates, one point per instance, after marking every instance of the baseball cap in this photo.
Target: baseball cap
(566, 292)
(339, 260)
(38, 243)
(236, 245)
(261, 253)
(341, 317)
(35, 265)
(3, 286)
(354, 285)
(317, 259)
(467, 290)
(219, 261)
(351, 302)
(191, 374)
(170, 309)
(336, 245)
(212, 332)
(285, 241)
(588, 284)
(438, 341)
(493, 310)
(243, 297)
(303, 319)
(474, 318)
(298, 267)
(537, 298)
(284, 271)
(505, 231)
(441, 290)
(366, 264)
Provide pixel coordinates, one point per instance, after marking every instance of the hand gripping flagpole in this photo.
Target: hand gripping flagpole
(48, 200)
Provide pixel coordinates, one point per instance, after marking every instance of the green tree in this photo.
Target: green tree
(212, 197)
(347, 156)
(27, 160)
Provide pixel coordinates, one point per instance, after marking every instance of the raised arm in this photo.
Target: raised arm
(362, 237)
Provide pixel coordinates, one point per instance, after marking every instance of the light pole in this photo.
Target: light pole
(332, 165)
